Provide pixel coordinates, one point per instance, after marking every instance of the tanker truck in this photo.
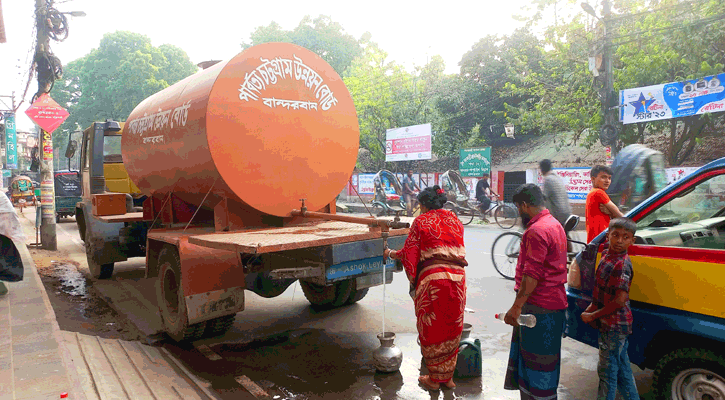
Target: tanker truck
(226, 182)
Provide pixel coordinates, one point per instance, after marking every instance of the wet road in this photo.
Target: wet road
(294, 352)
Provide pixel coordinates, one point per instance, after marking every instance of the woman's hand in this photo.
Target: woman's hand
(387, 253)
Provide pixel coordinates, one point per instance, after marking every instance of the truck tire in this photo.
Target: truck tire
(330, 296)
(357, 294)
(219, 326)
(690, 373)
(98, 271)
(170, 298)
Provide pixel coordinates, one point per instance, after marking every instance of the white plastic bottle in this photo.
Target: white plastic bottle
(527, 320)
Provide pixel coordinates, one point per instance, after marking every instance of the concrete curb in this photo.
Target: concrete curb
(76, 390)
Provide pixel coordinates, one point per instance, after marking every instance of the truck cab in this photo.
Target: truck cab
(102, 172)
(678, 289)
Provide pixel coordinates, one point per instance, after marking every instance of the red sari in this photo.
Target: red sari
(435, 246)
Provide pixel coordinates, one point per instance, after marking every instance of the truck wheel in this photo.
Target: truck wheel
(219, 326)
(81, 222)
(357, 294)
(690, 373)
(330, 296)
(170, 297)
(98, 271)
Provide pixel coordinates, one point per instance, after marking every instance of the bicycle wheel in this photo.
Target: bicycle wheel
(466, 215)
(505, 216)
(505, 253)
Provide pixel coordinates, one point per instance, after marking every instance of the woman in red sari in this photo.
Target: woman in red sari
(434, 259)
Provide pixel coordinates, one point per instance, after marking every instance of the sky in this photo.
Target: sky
(410, 32)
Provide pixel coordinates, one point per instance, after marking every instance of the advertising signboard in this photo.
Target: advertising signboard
(365, 184)
(577, 181)
(48, 114)
(11, 142)
(475, 162)
(408, 143)
(673, 100)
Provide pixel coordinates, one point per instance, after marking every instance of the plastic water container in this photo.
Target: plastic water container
(526, 320)
(470, 360)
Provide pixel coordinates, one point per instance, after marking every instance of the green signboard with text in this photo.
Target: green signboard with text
(475, 162)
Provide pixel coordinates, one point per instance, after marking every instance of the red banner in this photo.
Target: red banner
(48, 114)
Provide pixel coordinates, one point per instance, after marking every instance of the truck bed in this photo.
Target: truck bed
(312, 234)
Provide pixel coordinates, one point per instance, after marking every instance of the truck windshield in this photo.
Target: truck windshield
(112, 149)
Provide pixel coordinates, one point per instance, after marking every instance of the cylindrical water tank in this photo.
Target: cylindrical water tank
(273, 125)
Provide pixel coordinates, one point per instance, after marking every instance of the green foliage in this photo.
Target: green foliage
(113, 79)
(387, 96)
(322, 36)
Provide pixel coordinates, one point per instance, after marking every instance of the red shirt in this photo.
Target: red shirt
(543, 257)
(596, 220)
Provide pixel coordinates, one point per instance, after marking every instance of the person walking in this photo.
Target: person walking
(557, 199)
(535, 354)
(599, 207)
(611, 314)
(409, 188)
(434, 258)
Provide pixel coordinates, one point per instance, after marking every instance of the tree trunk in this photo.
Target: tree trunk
(683, 147)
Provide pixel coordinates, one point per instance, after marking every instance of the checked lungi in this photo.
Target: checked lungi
(535, 355)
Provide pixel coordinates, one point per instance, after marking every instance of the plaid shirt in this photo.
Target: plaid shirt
(614, 273)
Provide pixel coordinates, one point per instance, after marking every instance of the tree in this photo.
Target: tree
(387, 96)
(655, 42)
(322, 36)
(113, 79)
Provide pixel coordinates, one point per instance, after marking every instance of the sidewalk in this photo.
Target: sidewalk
(34, 362)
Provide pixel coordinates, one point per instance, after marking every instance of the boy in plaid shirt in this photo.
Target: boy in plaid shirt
(610, 312)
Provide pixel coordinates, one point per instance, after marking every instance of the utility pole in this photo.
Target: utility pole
(608, 105)
(48, 238)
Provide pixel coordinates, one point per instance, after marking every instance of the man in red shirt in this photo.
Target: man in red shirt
(599, 208)
(535, 354)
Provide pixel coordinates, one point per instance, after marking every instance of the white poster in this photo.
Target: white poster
(408, 143)
(365, 184)
(577, 181)
(677, 173)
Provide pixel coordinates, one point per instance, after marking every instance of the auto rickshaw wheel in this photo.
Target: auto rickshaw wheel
(170, 298)
(98, 271)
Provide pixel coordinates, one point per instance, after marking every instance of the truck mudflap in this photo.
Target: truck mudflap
(217, 303)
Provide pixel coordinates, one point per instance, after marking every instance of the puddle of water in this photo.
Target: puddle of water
(70, 280)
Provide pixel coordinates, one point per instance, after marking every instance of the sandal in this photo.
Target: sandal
(427, 383)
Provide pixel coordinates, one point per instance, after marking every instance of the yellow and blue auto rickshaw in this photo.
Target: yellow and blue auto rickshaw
(22, 192)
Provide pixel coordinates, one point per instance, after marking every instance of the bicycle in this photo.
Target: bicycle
(504, 215)
(509, 245)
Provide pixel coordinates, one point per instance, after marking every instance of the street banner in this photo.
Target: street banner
(475, 162)
(672, 100)
(577, 181)
(408, 143)
(11, 142)
(365, 184)
(48, 114)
